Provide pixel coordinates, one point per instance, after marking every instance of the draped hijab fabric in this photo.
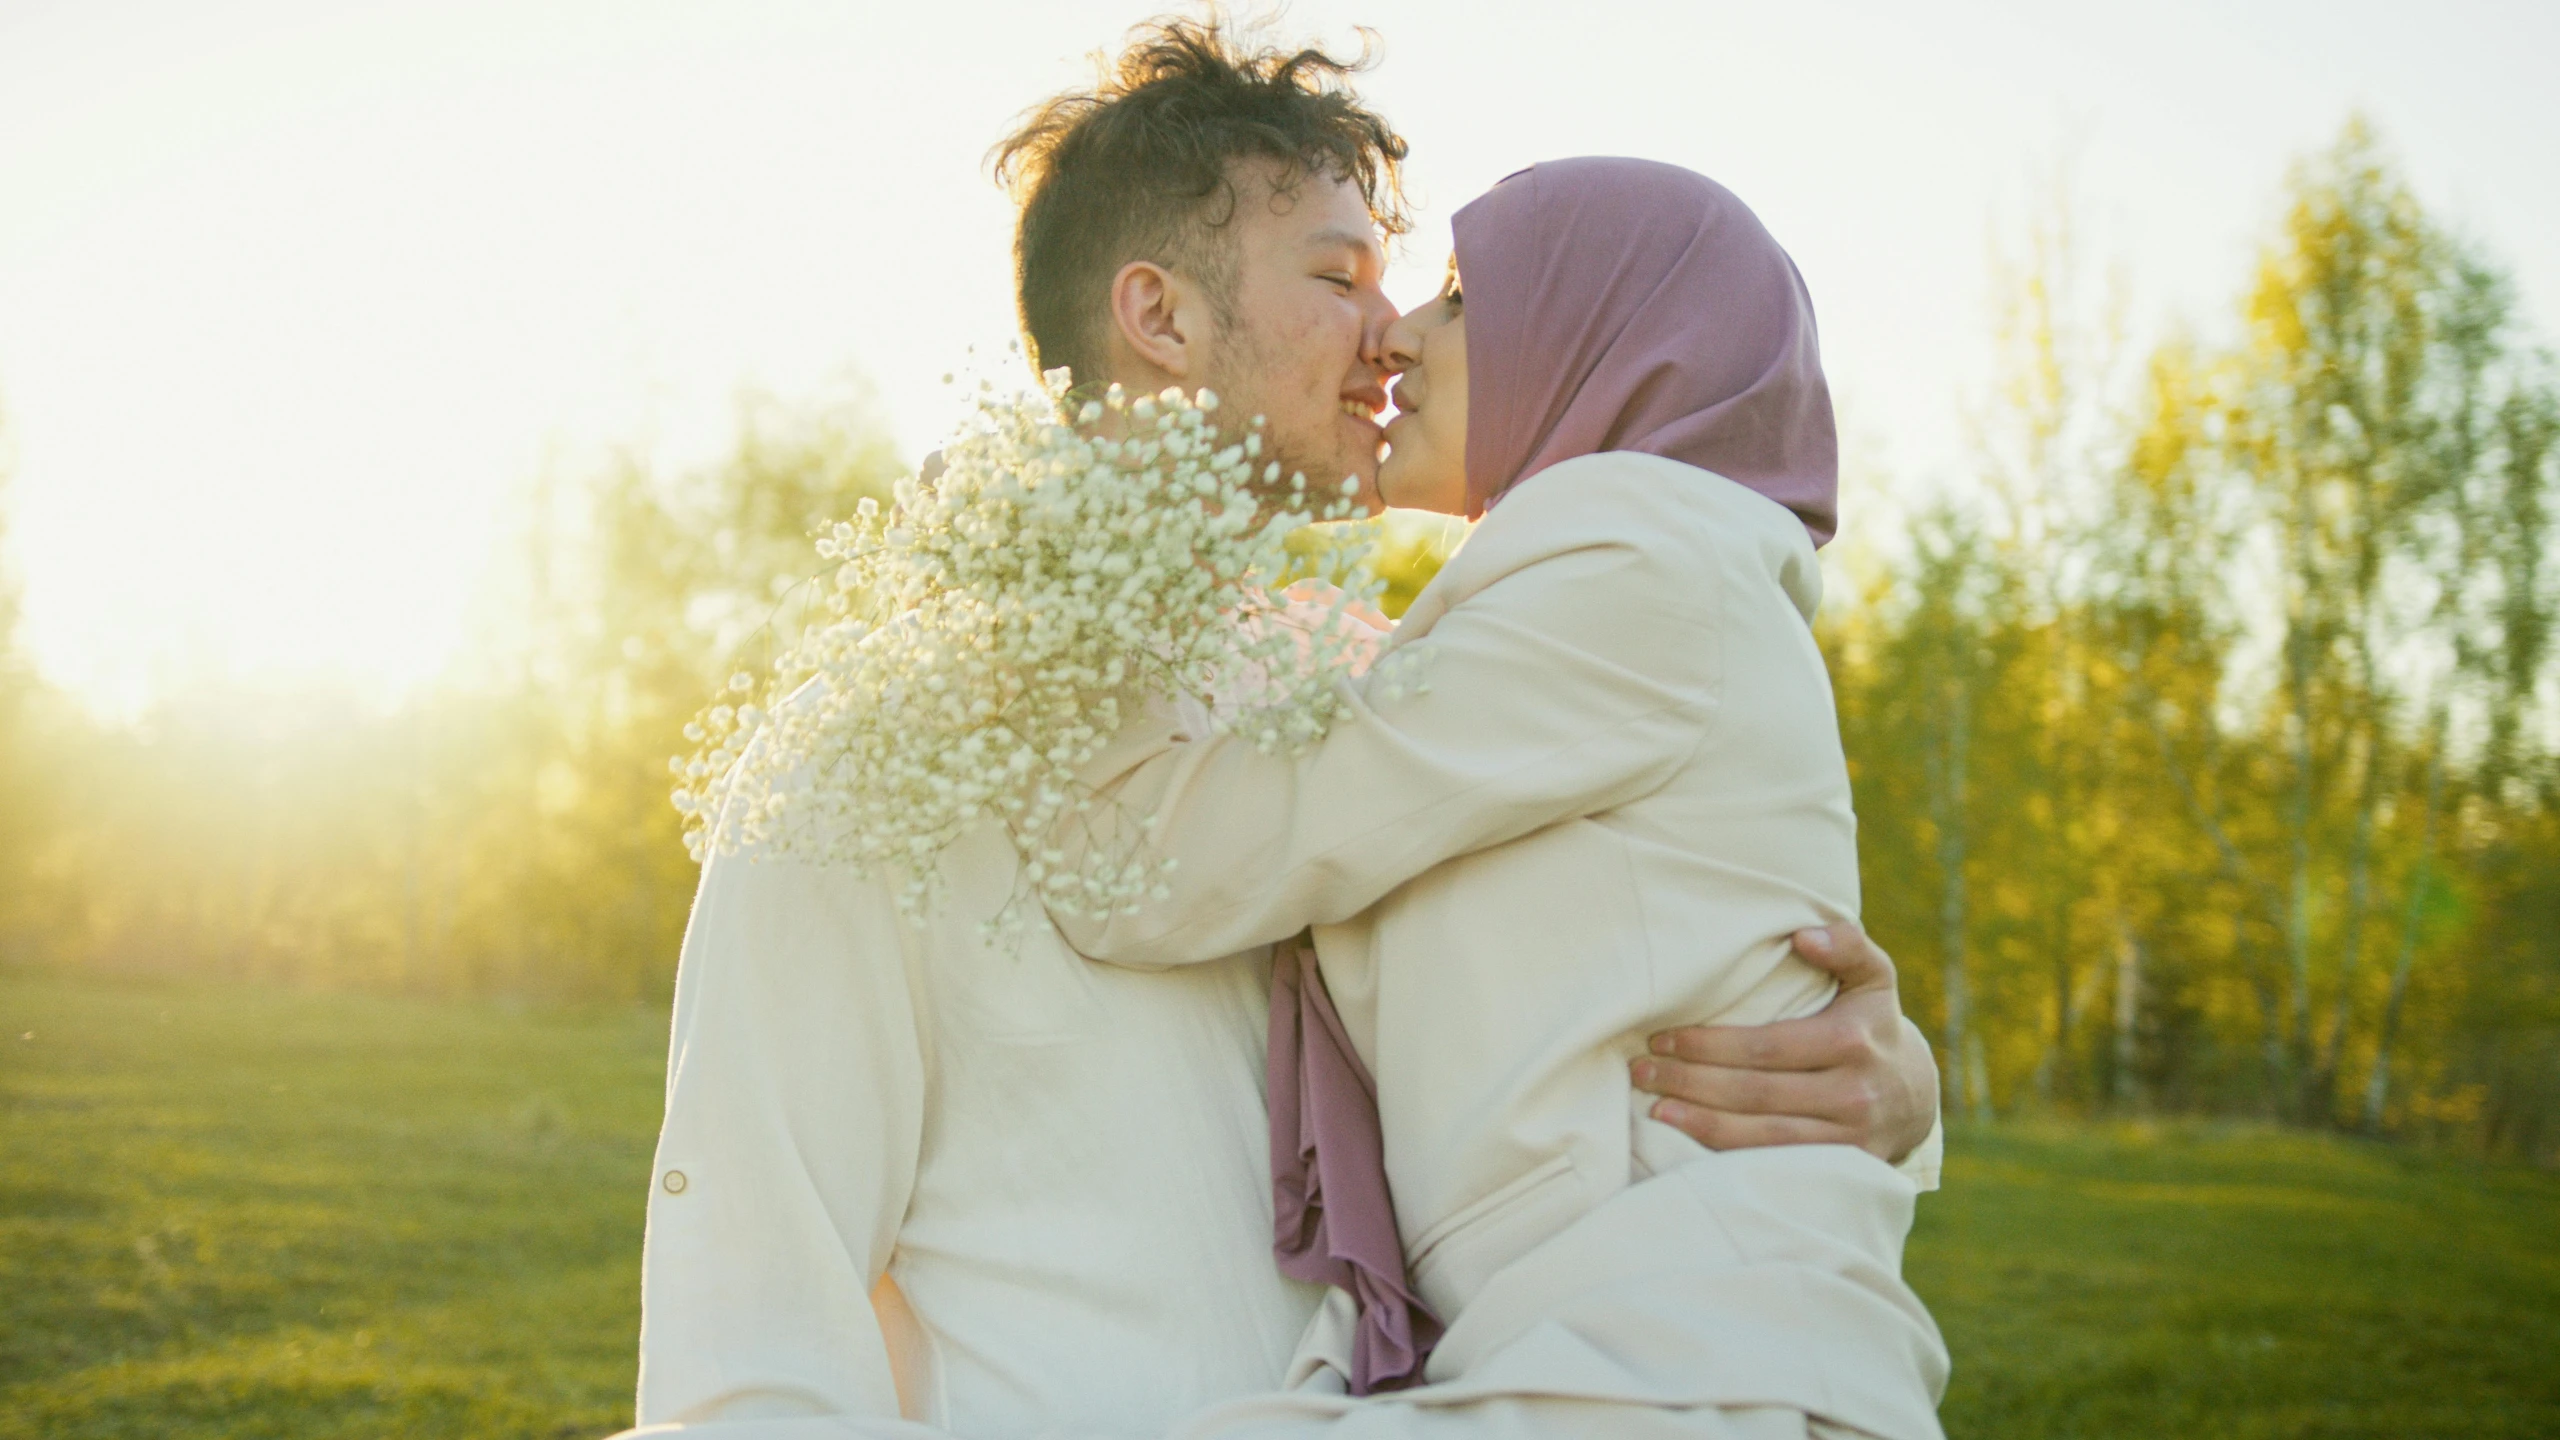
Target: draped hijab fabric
(1618, 304)
(1333, 1222)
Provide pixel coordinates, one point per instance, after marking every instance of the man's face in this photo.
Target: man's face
(1303, 347)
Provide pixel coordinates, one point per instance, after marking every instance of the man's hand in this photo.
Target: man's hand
(1855, 1074)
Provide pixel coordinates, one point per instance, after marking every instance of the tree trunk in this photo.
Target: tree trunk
(1977, 1078)
(2269, 908)
(2319, 1101)
(1948, 797)
(2125, 1086)
(2297, 920)
(2377, 1089)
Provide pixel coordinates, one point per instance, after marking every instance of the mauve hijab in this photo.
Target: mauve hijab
(1611, 305)
(1631, 305)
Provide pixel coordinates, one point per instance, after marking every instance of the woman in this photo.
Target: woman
(1595, 787)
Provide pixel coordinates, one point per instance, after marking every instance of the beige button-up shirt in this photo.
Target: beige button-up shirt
(1063, 1166)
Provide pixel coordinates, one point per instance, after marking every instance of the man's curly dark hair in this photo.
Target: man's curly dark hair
(1143, 167)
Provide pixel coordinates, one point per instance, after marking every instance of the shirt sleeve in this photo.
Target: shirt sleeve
(795, 1094)
(1572, 667)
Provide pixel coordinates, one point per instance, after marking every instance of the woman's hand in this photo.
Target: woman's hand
(1857, 1074)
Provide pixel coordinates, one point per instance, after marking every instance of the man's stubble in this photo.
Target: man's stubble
(1247, 355)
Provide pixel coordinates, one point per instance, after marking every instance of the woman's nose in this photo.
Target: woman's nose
(1400, 349)
(1382, 348)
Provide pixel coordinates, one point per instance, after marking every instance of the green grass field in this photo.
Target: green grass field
(234, 1212)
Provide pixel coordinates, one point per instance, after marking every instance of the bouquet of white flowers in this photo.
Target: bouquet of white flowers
(989, 632)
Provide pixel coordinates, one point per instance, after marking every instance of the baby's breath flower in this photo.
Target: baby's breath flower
(989, 630)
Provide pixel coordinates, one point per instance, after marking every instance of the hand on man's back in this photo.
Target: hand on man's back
(1857, 1073)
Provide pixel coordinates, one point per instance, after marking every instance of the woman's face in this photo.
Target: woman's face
(1426, 464)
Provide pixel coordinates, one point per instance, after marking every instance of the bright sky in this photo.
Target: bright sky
(295, 297)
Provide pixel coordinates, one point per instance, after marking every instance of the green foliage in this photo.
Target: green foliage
(1409, 549)
(1403, 548)
(244, 1211)
(2200, 761)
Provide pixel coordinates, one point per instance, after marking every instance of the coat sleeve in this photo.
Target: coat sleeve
(795, 1095)
(1569, 665)
(1926, 1159)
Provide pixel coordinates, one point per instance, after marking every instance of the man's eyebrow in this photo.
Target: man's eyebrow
(1361, 240)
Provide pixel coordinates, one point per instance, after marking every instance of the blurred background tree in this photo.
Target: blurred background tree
(2204, 750)
(2204, 741)
(505, 830)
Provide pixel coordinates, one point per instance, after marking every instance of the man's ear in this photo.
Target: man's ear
(1159, 316)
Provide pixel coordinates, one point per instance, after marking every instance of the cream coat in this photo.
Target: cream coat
(1621, 793)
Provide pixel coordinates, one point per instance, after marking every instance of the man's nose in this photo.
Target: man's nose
(1374, 338)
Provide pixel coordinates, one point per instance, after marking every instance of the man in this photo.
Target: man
(1052, 1176)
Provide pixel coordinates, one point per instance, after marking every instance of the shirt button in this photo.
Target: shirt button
(675, 1182)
